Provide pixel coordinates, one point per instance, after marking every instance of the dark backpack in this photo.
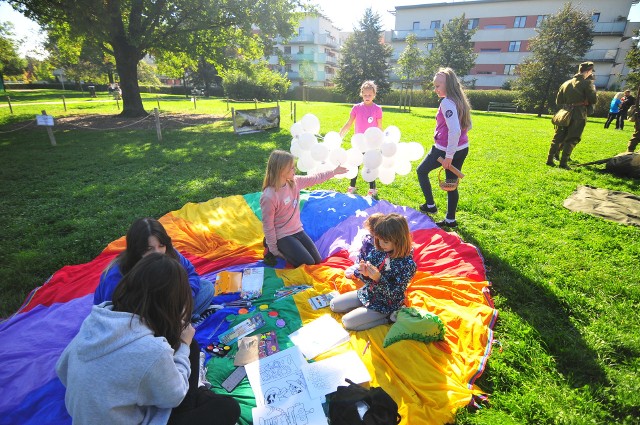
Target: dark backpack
(343, 406)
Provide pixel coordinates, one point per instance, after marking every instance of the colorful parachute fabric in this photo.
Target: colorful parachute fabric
(428, 381)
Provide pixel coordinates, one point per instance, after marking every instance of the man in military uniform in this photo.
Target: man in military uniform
(576, 95)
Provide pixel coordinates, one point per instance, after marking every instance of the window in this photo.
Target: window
(430, 46)
(435, 25)
(520, 22)
(595, 17)
(300, 50)
(287, 50)
(416, 25)
(287, 67)
(495, 27)
(540, 20)
(490, 50)
(514, 46)
(301, 31)
(510, 69)
(473, 23)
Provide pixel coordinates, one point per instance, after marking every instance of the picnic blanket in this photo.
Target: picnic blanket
(428, 381)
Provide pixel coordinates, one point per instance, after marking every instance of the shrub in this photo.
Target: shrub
(256, 83)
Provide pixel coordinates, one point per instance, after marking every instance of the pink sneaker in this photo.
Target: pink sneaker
(372, 192)
(351, 190)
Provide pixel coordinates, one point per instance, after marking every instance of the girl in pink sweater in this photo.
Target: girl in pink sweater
(280, 204)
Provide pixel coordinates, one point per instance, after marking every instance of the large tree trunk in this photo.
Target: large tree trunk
(127, 67)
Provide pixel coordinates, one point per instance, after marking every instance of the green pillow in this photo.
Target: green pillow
(416, 324)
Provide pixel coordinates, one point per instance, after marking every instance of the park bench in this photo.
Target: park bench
(502, 107)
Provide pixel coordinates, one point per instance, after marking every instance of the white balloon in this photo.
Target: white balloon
(352, 173)
(307, 141)
(374, 137)
(403, 167)
(388, 149)
(358, 142)
(305, 162)
(386, 175)
(332, 139)
(319, 152)
(416, 151)
(388, 162)
(354, 157)
(295, 149)
(392, 134)
(338, 156)
(296, 129)
(311, 123)
(402, 152)
(369, 174)
(372, 159)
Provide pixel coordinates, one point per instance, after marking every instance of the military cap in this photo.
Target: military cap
(585, 66)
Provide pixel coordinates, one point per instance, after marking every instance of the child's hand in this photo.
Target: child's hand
(446, 163)
(187, 334)
(340, 170)
(369, 270)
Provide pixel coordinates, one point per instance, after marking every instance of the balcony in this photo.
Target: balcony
(601, 55)
(420, 34)
(609, 28)
(302, 39)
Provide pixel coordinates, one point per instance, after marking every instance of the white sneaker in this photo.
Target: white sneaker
(372, 192)
(351, 190)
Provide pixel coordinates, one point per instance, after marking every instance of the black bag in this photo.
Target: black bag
(343, 406)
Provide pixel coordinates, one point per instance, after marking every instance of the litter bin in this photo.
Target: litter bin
(92, 91)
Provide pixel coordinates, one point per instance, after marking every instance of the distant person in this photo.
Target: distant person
(614, 110)
(577, 95)
(280, 205)
(627, 101)
(451, 142)
(635, 138)
(131, 361)
(147, 235)
(365, 114)
(386, 273)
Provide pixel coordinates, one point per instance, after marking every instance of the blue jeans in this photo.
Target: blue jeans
(430, 163)
(203, 298)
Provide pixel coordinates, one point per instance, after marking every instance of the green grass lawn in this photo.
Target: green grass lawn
(566, 284)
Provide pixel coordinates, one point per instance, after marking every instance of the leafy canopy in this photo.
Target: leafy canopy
(453, 48)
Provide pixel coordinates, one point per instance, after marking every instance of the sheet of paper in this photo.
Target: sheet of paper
(325, 376)
(319, 335)
(296, 410)
(277, 378)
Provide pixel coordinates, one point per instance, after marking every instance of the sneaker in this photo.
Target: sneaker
(373, 193)
(447, 223)
(427, 209)
(202, 377)
(270, 259)
(208, 312)
(351, 190)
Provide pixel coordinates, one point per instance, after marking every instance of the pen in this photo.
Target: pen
(366, 347)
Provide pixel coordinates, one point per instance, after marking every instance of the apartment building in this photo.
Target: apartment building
(311, 56)
(504, 28)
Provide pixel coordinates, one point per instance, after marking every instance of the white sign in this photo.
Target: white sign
(46, 120)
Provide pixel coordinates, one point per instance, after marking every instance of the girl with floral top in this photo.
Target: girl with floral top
(386, 273)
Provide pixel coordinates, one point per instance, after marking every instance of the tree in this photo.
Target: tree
(632, 61)
(453, 48)
(364, 57)
(562, 41)
(10, 61)
(410, 68)
(130, 29)
(307, 74)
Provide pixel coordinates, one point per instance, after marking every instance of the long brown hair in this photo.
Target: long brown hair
(138, 242)
(278, 161)
(456, 94)
(394, 228)
(157, 290)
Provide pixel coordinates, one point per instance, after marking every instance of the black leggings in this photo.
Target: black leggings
(299, 249)
(200, 405)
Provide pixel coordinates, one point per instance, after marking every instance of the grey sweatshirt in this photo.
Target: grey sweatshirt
(116, 371)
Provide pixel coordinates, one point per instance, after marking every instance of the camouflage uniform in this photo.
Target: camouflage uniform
(635, 138)
(576, 94)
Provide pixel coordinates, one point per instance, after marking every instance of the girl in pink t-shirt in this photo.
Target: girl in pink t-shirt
(280, 206)
(365, 114)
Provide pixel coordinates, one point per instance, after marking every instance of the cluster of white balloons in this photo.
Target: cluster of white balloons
(380, 153)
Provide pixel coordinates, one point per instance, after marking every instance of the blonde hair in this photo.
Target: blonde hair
(371, 221)
(278, 161)
(395, 229)
(457, 95)
(619, 95)
(369, 84)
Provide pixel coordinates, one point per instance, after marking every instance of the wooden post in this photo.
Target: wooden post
(10, 107)
(158, 131)
(255, 101)
(118, 103)
(158, 101)
(291, 111)
(227, 104)
(294, 112)
(233, 119)
(50, 131)
(194, 102)
(64, 103)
